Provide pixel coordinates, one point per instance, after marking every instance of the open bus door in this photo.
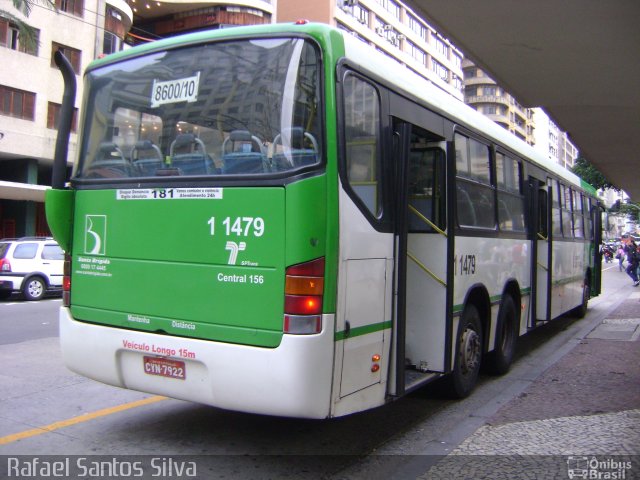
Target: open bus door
(541, 195)
(594, 254)
(421, 255)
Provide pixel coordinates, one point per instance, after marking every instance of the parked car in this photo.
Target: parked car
(32, 266)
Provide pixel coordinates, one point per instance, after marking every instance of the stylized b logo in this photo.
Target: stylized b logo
(95, 234)
(234, 248)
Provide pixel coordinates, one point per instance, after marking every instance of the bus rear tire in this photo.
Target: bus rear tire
(500, 359)
(468, 354)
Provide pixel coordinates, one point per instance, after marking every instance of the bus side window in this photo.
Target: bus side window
(475, 195)
(542, 215)
(510, 197)
(466, 212)
(426, 183)
(362, 135)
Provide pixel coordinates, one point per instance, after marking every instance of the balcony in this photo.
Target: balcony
(478, 81)
(498, 118)
(488, 99)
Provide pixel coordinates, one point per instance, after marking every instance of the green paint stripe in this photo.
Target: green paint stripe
(495, 299)
(364, 330)
(565, 281)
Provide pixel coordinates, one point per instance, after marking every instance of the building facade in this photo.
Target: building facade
(392, 28)
(487, 97)
(154, 19)
(553, 142)
(31, 89)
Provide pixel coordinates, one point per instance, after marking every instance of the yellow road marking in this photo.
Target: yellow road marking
(79, 419)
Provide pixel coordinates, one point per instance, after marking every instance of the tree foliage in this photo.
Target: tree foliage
(591, 174)
(631, 210)
(28, 35)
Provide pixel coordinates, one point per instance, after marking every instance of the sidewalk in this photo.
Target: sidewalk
(580, 418)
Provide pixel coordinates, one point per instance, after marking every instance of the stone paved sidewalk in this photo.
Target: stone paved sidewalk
(585, 408)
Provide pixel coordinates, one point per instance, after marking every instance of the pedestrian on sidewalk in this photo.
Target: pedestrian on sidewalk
(633, 257)
(620, 257)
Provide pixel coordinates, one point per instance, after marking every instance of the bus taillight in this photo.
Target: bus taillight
(304, 287)
(66, 281)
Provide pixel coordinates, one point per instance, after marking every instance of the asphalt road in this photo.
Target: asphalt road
(47, 410)
(22, 321)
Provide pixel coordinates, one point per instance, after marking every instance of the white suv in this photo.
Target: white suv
(31, 265)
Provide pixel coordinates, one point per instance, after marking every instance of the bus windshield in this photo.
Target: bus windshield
(243, 107)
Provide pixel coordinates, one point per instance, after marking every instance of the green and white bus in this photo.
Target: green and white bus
(278, 219)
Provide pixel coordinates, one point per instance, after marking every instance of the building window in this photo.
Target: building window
(72, 54)
(75, 7)
(111, 43)
(457, 60)
(10, 38)
(489, 91)
(417, 53)
(440, 70)
(417, 27)
(457, 82)
(53, 116)
(361, 14)
(17, 103)
(441, 47)
(394, 9)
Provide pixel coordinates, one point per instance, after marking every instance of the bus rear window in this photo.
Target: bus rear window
(246, 107)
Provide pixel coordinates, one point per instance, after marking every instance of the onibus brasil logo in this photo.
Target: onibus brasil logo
(597, 468)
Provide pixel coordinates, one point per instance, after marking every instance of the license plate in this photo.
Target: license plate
(165, 367)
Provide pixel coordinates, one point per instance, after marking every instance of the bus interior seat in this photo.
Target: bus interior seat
(110, 162)
(294, 152)
(146, 157)
(504, 215)
(189, 155)
(243, 153)
(466, 212)
(485, 215)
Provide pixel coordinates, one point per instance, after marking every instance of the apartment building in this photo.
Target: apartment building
(392, 28)
(31, 89)
(552, 141)
(487, 97)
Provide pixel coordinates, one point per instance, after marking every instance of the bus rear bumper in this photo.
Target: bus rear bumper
(292, 380)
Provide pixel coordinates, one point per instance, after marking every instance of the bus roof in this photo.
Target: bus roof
(312, 29)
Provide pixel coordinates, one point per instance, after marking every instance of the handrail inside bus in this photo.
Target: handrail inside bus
(424, 267)
(543, 267)
(426, 220)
